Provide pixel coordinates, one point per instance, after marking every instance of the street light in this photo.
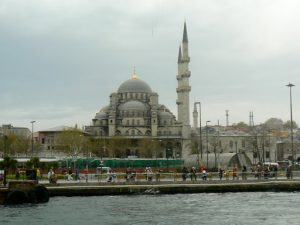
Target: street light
(200, 134)
(208, 121)
(32, 122)
(291, 111)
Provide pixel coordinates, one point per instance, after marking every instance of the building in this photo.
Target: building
(45, 141)
(134, 112)
(284, 150)
(18, 131)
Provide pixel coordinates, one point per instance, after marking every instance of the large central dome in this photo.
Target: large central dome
(134, 85)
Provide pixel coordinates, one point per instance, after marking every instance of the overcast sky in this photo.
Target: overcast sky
(61, 59)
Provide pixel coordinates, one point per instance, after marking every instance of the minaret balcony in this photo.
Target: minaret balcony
(183, 89)
(178, 102)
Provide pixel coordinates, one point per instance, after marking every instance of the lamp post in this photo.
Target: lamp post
(236, 151)
(291, 111)
(32, 122)
(200, 134)
(207, 144)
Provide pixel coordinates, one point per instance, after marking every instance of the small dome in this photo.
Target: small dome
(133, 105)
(101, 115)
(165, 115)
(134, 85)
(105, 109)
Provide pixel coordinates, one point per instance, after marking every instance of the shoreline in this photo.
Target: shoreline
(81, 189)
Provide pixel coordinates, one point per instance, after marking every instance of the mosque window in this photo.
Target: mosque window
(231, 144)
(132, 122)
(243, 143)
(136, 96)
(138, 122)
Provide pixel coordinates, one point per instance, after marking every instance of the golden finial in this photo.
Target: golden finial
(133, 76)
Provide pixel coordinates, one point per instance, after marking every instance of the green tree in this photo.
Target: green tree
(9, 163)
(12, 144)
(147, 148)
(71, 141)
(117, 145)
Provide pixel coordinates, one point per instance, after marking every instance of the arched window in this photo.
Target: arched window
(243, 143)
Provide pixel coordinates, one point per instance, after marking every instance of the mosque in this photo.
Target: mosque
(134, 112)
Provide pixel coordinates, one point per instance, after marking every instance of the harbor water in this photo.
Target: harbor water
(205, 208)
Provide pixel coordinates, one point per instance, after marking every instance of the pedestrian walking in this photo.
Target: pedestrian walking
(221, 173)
(193, 174)
(184, 173)
(234, 173)
(70, 174)
(244, 173)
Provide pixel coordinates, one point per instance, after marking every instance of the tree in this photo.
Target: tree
(241, 126)
(147, 148)
(71, 141)
(273, 124)
(287, 125)
(214, 142)
(12, 144)
(9, 163)
(117, 145)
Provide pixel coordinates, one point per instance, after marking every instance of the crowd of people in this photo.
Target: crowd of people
(257, 171)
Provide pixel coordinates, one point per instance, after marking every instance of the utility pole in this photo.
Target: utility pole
(32, 122)
(291, 111)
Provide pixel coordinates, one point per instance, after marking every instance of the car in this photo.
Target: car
(102, 169)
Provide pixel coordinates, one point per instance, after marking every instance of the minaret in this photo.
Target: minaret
(183, 89)
(195, 117)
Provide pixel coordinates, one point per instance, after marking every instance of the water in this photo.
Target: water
(228, 208)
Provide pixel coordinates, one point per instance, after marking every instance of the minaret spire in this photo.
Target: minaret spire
(185, 37)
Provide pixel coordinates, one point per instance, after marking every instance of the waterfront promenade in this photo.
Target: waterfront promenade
(169, 184)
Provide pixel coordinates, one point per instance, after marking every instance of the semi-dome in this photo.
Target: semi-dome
(133, 105)
(165, 115)
(134, 85)
(101, 115)
(105, 109)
